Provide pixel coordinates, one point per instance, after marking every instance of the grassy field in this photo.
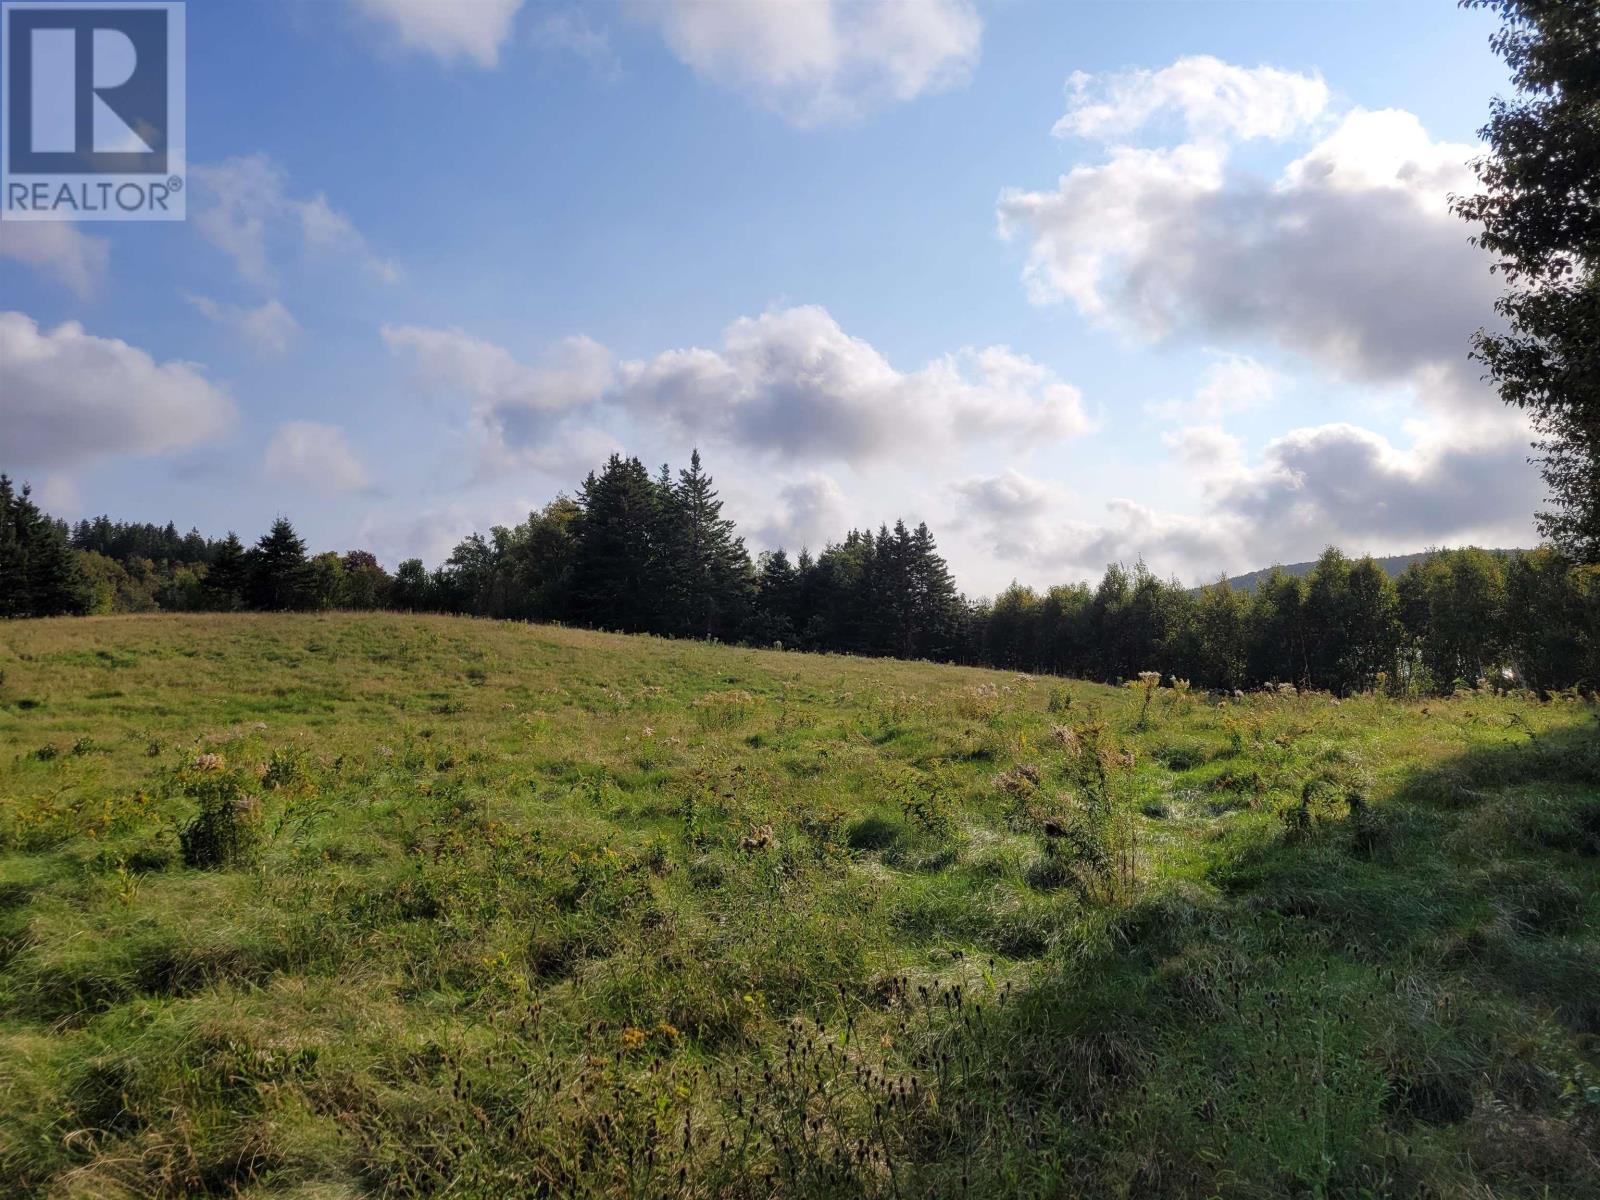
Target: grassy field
(337, 906)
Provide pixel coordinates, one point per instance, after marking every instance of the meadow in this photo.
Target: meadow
(380, 905)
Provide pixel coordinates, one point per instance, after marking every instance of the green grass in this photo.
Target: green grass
(337, 906)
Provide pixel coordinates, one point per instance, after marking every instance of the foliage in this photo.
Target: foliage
(1539, 213)
(656, 554)
(38, 575)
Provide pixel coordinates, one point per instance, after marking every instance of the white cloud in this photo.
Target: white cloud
(812, 512)
(1208, 449)
(70, 397)
(1336, 483)
(59, 250)
(790, 383)
(450, 30)
(793, 383)
(1008, 496)
(1351, 258)
(516, 404)
(1210, 98)
(316, 456)
(823, 60)
(1028, 522)
(269, 327)
(1231, 383)
(1342, 483)
(247, 212)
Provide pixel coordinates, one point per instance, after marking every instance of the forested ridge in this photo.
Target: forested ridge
(639, 552)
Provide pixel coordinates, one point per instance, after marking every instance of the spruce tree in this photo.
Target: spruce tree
(617, 572)
(279, 574)
(39, 572)
(228, 575)
(708, 569)
(14, 598)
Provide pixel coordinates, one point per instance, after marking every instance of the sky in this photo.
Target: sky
(1074, 283)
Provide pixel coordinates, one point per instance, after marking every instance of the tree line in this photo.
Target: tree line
(639, 552)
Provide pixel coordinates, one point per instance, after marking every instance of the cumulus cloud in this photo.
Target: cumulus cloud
(70, 397)
(793, 383)
(1335, 483)
(1340, 482)
(812, 510)
(1028, 522)
(246, 211)
(823, 60)
(1008, 496)
(1208, 449)
(1351, 257)
(269, 327)
(1231, 383)
(1210, 98)
(451, 30)
(312, 455)
(59, 250)
(790, 382)
(518, 405)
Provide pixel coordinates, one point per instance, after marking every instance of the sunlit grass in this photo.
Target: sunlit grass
(349, 905)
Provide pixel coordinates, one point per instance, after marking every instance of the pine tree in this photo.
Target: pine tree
(228, 575)
(279, 574)
(39, 572)
(617, 574)
(777, 617)
(14, 598)
(708, 569)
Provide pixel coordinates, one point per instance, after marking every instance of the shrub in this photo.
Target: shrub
(286, 768)
(225, 831)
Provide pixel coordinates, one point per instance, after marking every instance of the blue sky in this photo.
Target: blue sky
(1071, 282)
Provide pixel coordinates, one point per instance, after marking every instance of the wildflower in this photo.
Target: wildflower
(632, 1038)
(668, 1030)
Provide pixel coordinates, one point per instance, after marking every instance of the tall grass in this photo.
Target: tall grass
(376, 905)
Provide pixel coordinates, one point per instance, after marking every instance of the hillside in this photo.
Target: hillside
(1393, 565)
(376, 905)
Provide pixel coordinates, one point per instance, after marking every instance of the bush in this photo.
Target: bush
(225, 831)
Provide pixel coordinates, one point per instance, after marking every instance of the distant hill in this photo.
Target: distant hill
(1393, 565)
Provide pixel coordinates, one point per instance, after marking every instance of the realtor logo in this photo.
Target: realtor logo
(92, 111)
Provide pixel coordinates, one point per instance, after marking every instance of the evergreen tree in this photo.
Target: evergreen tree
(778, 597)
(618, 580)
(705, 563)
(279, 576)
(39, 574)
(228, 575)
(936, 605)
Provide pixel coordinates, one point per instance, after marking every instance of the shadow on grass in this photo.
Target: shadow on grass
(1394, 998)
